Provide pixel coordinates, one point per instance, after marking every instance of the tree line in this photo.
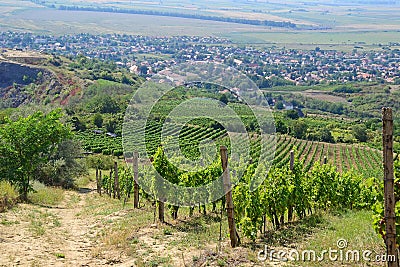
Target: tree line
(270, 23)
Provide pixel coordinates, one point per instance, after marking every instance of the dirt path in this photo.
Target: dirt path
(32, 235)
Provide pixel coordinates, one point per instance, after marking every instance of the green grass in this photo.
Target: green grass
(353, 226)
(8, 195)
(84, 180)
(46, 196)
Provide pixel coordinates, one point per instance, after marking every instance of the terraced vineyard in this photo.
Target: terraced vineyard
(345, 157)
(108, 145)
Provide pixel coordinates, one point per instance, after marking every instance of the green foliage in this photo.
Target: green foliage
(299, 129)
(125, 181)
(43, 195)
(326, 136)
(111, 126)
(379, 210)
(63, 166)
(8, 195)
(279, 105)
(292, 114)
(78, 124)
(101, 162)
(360, 133)
(25, 145)
(98, 120)
(286, 191)
(347, 89)
(103, 104)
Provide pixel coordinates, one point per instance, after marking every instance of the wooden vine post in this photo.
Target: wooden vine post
(390, 216)
(229, 200)
(100, 182)
(135, 180)
(109, 182)
(98, 188)
(116, 182)
(290, 209)
(291, 160)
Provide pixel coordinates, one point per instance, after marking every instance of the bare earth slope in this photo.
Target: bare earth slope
(42, 236)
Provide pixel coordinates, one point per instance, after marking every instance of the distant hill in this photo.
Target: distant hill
(28, 77)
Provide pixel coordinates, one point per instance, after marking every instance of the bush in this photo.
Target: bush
(107, 152)
(8, 195)
(43, 195)
(118, 153)
(63, 166)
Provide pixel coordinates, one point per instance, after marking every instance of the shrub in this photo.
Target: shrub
(107, 152)
(8, 195)
(118, 153)
(45, 195)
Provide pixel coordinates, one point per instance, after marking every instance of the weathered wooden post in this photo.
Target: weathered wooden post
(390, 216)
(229, 200)
(109, 183)
(291, 160)
(290, 208)
(136, 180)
(100, 182)
(161, 211)
(97, 180)
(117, 192)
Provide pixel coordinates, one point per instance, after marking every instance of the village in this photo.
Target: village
(267, 67)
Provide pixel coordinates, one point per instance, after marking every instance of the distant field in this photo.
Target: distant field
(361, 26)
(314, 37)
(64, 22)
(309, 12)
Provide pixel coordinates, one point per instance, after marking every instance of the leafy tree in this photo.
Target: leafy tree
(78, 124)
(292, 114)
(326, 136)
(103, 104)
(224, 99)
(360, 133)
(100, 162)
(25, 145)
(111, 126)
(63, 165)
(98, 120)
(280, 126)
(279, 105)
(299, 129)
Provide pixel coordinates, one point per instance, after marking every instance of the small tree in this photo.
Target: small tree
(98, 120)
(26, 143)
(360, 133)
(299, 129)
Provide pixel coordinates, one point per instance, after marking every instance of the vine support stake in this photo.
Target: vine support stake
(291, 160)
(97, 181)
(290, 208)
(136, 180)
(116, 181)
(100, 181)
(390, 216)
(229, 200)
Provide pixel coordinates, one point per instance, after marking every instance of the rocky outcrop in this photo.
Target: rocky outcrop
(15, 73)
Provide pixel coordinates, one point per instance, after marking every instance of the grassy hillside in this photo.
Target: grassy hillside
(30, 77)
